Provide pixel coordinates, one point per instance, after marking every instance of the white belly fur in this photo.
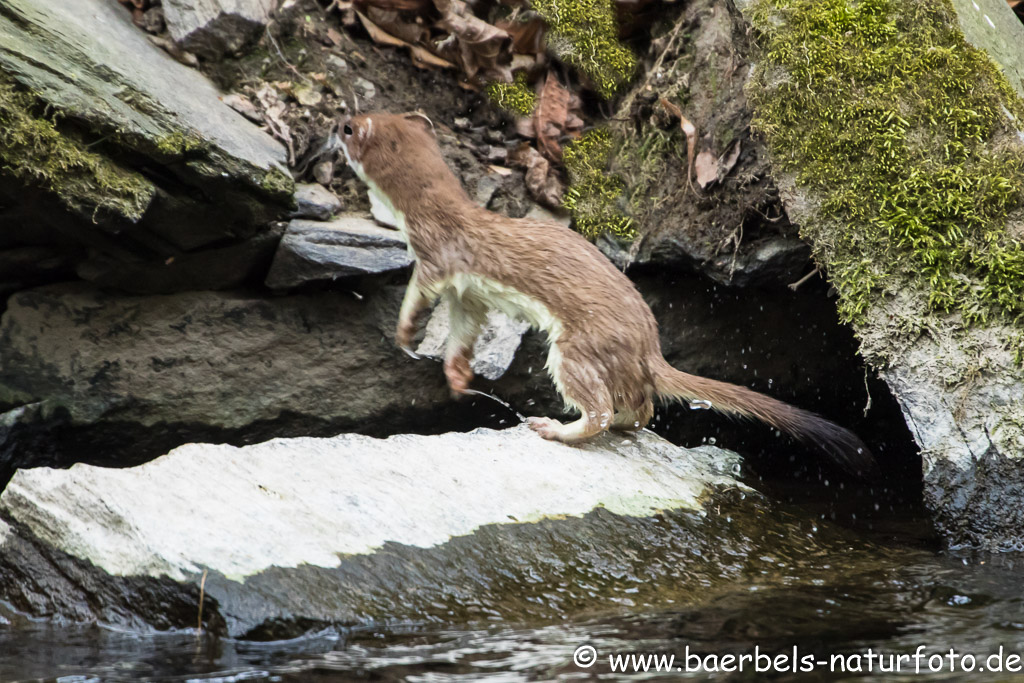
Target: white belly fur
(495, 295)
(514, 304)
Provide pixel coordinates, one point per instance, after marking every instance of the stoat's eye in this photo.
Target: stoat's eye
(347, 129)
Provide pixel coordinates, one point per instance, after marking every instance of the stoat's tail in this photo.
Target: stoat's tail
(840, 444)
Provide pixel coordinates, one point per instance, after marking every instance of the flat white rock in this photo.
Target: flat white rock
(289, 502)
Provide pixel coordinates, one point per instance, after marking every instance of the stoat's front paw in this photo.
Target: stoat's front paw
(404, 337)
(458, 372)
(545, 426)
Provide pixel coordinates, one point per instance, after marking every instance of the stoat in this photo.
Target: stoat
(604, 354)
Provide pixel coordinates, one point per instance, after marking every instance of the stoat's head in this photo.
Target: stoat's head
(372, 141)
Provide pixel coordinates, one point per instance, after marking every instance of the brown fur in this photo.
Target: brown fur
(606, 358)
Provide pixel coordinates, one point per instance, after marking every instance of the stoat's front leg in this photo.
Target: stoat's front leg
(466, 318)
(417, 300)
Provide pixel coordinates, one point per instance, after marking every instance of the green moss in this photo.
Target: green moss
(898, 126)
(277, 182)
(585, 34)
(515, 97)
(180, 144)
(34, 151)
(594, 194)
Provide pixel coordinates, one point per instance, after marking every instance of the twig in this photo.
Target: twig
(796, 285)
(199, 620)
(867, 391)
(280, 55)
(202, 595)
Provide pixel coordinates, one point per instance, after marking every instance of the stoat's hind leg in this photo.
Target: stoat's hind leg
(633, 420)
(466, 318)
(418, 298)
(581, 386)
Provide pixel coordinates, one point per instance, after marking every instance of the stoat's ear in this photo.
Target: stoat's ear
(420, 119)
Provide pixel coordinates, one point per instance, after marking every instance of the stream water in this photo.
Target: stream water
(892, 592)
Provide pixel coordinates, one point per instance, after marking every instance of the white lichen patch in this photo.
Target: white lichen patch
(290, 502)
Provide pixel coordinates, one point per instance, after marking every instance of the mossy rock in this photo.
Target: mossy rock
(908, 135)
(897, 145)
(34, 151)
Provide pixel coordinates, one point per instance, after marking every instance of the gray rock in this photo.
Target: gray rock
(123, 83)
(122, 378)
(314, 201)
(365, 88)
(190, 171)
(313, 251)
(211, 28)
(298, 533)
(494, 350)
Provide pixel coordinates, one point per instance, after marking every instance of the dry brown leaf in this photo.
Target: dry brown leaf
(379, 35)
(549, 117)
(707, 168)
(527, 36)
(728, 160)
(482, 48)
(542, 181)
(243, 105)
(334, 35)
(425, 59)
(421, 57)
(395, 24)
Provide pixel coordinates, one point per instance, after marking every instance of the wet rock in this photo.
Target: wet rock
(314, 201)
(494, 350)
(295, 534)
(313, 251)
(211, 28)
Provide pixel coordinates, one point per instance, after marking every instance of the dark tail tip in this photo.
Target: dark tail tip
(843, 446)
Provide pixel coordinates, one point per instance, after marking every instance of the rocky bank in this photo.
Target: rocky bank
(168, 284)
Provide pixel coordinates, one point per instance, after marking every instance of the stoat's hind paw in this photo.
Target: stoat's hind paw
(546, 427)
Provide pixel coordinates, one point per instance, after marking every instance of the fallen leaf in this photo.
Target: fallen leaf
(728, 160)
(243, 105)
(542, 181)
(482, 49)
(423, 58)
(707, 168)
(549, 117)
(527, 36)
(500, 170)
(379, 35)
